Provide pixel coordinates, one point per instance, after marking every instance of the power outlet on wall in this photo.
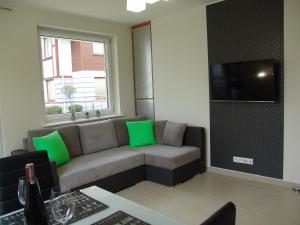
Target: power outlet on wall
(242, 160)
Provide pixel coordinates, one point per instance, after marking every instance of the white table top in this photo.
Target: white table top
(117, 203)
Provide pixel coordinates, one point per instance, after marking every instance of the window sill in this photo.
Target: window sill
(80, 121)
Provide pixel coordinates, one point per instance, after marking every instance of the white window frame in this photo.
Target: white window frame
(79, 36)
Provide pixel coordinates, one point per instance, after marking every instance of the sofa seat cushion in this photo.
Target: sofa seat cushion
(168, 157)
(92, 167)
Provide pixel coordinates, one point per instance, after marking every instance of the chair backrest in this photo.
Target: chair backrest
(224, 216)
(12, 168)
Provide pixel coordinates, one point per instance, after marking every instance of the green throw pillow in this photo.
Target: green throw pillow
(140, 133)
(55, 147)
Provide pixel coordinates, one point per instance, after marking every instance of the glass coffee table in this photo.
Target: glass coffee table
(118, 209)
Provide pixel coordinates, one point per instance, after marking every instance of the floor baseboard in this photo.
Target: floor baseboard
(253, 177)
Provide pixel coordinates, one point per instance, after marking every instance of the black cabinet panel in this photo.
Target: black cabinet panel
(242, 30)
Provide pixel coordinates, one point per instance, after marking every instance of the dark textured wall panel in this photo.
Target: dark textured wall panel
(242, 30)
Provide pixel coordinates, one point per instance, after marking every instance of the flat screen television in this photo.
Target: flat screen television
(244, 81)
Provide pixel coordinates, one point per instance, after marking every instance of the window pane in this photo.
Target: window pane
(74, 75)
(50, 90)
(98, 48)
(47, 47)
(100, 88)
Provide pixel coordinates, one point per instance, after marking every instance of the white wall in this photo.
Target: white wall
(292, 91)
(21, 97)
(180, 68)
(181, 75)
(1, 141)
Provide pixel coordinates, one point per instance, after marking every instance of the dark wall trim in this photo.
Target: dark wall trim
(144, 24)
(244, 30)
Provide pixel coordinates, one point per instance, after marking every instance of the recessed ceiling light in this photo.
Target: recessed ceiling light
(151, 1)
(136, 5)
(261, 74)
(139, 5)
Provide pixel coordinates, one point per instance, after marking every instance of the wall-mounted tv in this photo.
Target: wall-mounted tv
(244, 81)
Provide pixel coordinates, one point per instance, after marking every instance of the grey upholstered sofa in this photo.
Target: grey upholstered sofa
(100, 155)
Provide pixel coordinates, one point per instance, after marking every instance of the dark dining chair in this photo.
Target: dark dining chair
(224, 216)
(12, 168)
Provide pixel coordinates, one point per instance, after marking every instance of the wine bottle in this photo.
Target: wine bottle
(35, 210)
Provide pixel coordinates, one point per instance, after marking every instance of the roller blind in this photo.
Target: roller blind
(70, 34)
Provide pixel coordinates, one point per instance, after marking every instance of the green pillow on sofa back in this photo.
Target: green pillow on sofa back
(55, 147)
(140, 133)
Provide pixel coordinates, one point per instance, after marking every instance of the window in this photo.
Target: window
(47, 47)
(98, 48)
(100, 88)
(76, 74)
(49, 90)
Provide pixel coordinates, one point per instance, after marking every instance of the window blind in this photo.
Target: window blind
(70, 34)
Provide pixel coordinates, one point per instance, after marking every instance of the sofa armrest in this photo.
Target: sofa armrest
(19, 152)
(195, 136)
(25, 143)
(54, 172)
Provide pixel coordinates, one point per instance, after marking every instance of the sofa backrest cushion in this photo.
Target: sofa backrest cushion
(122, 131)
(36, 133)
(97, 136)
(159, 127)
(69, 133)
(173, 133)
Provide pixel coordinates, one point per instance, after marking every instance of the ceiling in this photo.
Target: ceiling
(113, 10)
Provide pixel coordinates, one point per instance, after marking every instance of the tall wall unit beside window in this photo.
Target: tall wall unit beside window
(143, 78)
(75, 71)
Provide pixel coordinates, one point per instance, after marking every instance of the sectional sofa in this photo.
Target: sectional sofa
(100, 155)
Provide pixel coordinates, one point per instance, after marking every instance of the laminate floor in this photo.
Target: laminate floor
(192, 202)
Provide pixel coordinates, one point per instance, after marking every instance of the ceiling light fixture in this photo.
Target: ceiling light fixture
(136, 5)
(139, 5)
(151, 1)
(261, 74)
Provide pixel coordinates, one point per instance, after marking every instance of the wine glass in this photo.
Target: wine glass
(22, 190)
(62, 205)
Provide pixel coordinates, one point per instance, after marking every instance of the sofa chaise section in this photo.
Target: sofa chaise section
(162, 162)
(168, 157)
